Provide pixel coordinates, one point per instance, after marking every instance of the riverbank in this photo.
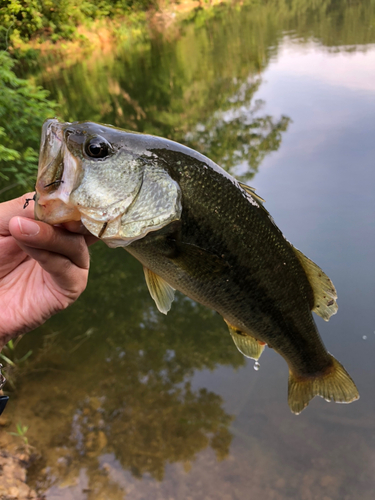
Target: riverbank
(130, 25)
(87, 41)
(15, 458)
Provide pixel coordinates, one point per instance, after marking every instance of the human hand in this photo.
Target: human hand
(43, 268)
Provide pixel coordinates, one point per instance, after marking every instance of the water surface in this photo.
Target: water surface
(123, 402)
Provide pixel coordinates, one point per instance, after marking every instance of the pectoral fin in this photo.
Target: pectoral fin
(324, 291)
(247, 345)
(160, 290)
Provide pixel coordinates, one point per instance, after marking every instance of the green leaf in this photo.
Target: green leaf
(23, 109)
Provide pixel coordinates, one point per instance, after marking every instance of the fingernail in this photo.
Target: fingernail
(28, 227)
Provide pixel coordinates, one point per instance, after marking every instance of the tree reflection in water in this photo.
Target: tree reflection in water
(123, 386)
(116, 380)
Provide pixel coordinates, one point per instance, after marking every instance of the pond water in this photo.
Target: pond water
(124, 402)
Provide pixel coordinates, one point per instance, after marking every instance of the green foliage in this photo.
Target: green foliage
(23, 108)
(11, 357)
(56, 19)
(21, 433)
(24, 17)
(118, 372)
(195, 87)
(13, 362)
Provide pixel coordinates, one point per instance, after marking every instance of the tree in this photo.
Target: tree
(23, 108)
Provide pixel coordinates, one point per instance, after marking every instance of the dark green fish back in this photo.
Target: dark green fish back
(236, 261)
(228, 254)
(196, 229)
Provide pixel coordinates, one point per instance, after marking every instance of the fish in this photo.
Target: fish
(198, 230)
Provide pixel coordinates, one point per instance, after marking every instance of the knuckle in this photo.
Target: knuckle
(65, 266)
(72, 246)
(77, 286)
(81, 244)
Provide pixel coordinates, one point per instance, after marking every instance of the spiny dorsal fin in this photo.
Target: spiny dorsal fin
(324, 291)
(248, 346)
(160, 290)
(251, 191)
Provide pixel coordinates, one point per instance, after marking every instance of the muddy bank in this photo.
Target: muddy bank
(15, 458)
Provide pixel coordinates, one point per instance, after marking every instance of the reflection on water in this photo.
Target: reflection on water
(124, 402)
(121, 379)
(196, 88)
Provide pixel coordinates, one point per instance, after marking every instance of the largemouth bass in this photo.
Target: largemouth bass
(197, 230)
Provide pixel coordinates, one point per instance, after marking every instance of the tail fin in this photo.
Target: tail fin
(334, 385)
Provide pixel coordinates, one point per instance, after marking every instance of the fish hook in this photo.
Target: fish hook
(28, 201)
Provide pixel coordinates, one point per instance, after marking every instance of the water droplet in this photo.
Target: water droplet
(256, 366)
(364, 337)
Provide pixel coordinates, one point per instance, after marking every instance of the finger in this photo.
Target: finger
(78, 227)
(75, 226)
(42, 236)
(13, 208)
(67, 278)
(11, 255)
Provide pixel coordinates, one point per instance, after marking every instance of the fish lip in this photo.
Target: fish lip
(56, 176)
(51, 143)
(47, 126)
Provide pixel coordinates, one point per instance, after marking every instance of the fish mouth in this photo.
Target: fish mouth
(60, 195)
(50, 146)
(112, 194)
(58, 171)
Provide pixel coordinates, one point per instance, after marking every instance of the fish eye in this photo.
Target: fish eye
(97, 147)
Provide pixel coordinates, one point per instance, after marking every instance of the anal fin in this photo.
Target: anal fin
(160, 290)
(247, 345)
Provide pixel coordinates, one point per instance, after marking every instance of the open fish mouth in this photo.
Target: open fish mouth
(57, 176)
(88, 172)
(50, 168)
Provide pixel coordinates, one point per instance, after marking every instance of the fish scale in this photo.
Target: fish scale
(249, 291)
(197, 230)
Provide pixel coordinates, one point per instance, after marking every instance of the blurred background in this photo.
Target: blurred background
(111, 399)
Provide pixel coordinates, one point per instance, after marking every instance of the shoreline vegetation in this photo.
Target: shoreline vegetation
(47, 36)
(55, 33)
(44, 27)
(31, 28)
(66, 34)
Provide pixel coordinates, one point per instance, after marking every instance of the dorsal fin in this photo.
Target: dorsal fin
(247, 345)
(324, 291)
(251, 191)
(160, 290)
